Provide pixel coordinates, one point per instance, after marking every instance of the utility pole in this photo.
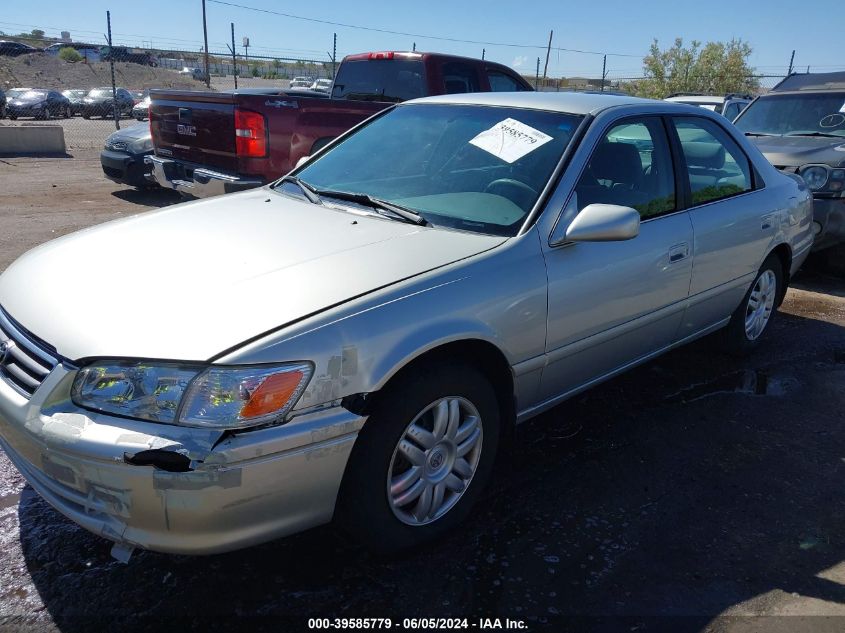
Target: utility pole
(603, 72)
(334, 54)
(483, 51)
(205, 47)
(537, 76)
(791, 59)
(234, 57)
(414, 47)
(114, 107)
(548, 50)
(246, 52)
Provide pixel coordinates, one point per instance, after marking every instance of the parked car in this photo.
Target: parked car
(15, 49)
(301, 82)
(729, 105)
(122, 157)
(195, 73)
(2, 105)
(89, 52)
(125, 54)
(356, 340)
(322, 85)
(141, 110)
(208, 143)
(76, 100)
(139, 95)
(39, 104)
(102, 102)
(800, 127)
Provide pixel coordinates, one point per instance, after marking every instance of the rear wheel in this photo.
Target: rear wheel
(422, 459)
(751, 320)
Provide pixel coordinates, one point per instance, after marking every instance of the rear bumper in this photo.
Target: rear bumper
(196, 181)
(125, 168)
(240, 490)
(829, 214)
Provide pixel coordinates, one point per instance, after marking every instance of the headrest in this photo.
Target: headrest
(618, 162)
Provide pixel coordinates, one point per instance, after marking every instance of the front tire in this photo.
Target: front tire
(752, 319)
(422, 459)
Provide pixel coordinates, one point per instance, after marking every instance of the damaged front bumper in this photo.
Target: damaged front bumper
(829, 217)
(236, 490)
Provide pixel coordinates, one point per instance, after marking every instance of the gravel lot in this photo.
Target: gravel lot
(685, 495)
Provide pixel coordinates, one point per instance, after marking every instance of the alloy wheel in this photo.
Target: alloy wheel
(761, 302)
(434, 461)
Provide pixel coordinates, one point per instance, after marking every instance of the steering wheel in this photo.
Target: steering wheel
(514, 190)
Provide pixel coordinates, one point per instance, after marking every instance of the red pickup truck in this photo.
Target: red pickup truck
(208, 143)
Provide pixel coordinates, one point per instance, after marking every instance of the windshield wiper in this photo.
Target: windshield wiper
(758, 134)
(400, 213)
(815, 134)
(307, 190)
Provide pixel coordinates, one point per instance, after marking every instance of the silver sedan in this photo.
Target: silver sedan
(356, 340)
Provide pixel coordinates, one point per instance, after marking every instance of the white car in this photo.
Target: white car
(301, 82)
(729, 106)
(322, 85)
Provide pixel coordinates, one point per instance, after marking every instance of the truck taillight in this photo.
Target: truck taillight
(250, 133)
(382, 55)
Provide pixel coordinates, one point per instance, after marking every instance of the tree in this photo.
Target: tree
(715, 68)
(37, 34)
(69, 54)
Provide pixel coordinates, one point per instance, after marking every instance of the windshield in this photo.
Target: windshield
(100, 92)
(469, 167)
(74, 93)
(33, 94)
(391, 80)
(818, 113)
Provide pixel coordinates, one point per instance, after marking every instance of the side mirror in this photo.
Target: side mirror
(604, 223)
(301, 161)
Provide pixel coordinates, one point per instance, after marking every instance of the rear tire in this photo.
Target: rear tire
(752, 319)
(446, 416)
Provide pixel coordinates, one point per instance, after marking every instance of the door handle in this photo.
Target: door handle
(678, 252)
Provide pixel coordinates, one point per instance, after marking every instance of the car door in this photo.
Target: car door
(611, 304)
(731, 223)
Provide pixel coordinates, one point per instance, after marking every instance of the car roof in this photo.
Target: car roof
(568, 102)
(697, 99)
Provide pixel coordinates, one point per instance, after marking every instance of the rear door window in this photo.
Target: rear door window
(716, 166)
(500, 82)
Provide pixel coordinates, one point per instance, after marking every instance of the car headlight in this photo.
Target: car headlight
(141, 145)
(212, 397)
(815, 176)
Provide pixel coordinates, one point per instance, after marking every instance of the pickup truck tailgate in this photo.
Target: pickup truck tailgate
(198, 127)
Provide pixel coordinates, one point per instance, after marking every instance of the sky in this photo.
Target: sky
(513, 34)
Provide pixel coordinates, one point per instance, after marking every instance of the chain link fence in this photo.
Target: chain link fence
(63, 85)
(627, 85)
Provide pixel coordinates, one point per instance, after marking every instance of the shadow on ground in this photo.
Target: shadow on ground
(153, 197)
(653, 502)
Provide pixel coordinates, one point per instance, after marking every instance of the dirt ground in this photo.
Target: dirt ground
(687, 495)
(47, 71)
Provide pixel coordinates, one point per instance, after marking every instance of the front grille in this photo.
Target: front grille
(116, 146)
(24, 361)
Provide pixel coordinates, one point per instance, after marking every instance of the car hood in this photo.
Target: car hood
(795, 151)
(196, 279)
(27, 102)
(130, 134)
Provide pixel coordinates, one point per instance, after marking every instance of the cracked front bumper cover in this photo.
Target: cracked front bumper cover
(243, 489)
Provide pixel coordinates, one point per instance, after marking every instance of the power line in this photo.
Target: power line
(406, 34)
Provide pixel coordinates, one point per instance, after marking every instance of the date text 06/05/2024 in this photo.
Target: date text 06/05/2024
(415, 624)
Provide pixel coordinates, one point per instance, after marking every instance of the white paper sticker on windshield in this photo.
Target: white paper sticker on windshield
(842, 109)
(510, 140)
